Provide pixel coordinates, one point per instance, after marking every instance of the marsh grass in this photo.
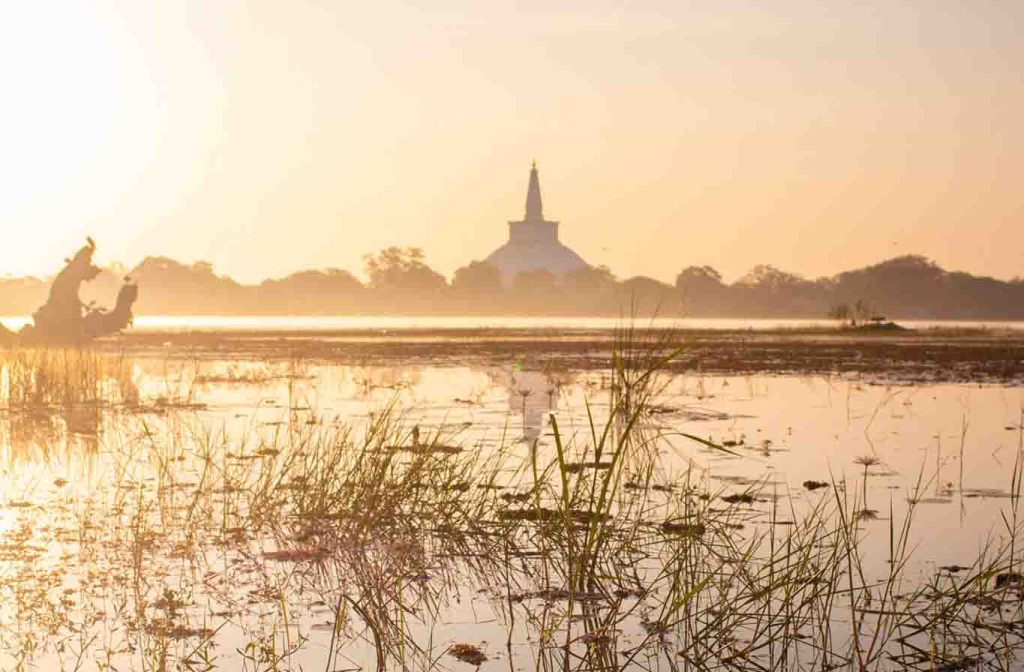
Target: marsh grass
(42, 377)
(313, 544)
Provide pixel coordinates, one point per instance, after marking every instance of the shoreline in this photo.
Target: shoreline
(933, 355)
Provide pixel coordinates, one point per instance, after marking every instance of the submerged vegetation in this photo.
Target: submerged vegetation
(177, 538)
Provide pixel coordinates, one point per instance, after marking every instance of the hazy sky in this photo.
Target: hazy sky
(267, 137)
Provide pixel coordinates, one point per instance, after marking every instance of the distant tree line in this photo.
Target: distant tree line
(399, 281)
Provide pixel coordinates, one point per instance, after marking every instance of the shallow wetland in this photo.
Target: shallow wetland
(164, 506)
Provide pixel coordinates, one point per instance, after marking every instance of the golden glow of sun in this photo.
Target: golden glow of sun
(268, 137)
(69, 123)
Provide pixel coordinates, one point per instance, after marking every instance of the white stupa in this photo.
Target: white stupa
(533, 243)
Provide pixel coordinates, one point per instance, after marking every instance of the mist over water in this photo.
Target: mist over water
(397, 323)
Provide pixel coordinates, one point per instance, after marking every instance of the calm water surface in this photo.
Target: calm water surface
(950, 448)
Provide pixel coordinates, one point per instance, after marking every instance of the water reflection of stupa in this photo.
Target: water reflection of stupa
(532, 395)
(533, 243)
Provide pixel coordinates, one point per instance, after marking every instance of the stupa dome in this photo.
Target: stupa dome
(533, 243)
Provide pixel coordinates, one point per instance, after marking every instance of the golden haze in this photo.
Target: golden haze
(272, 136)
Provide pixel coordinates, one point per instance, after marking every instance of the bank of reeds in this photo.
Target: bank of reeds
(61, 377)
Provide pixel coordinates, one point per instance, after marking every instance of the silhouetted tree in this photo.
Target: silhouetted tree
(908, 286)
(478, 278)
(698, 280)
(900, 288)
(64, 319)
(176, 288)
(647, 295)
(590, 281)
(765, 276)
(310, 292)
(772, 292)
(701, 289)
(536, 284)
(402, 269)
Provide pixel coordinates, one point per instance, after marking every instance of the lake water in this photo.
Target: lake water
(134, 530)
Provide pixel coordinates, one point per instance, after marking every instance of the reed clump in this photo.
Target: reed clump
(62, 377)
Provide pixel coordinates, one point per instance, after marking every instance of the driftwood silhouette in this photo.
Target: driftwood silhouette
(64, 319)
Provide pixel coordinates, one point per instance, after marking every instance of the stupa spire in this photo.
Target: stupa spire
(533, 242)
(534, 207)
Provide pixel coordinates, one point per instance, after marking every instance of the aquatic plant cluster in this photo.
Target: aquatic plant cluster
(317, 542)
